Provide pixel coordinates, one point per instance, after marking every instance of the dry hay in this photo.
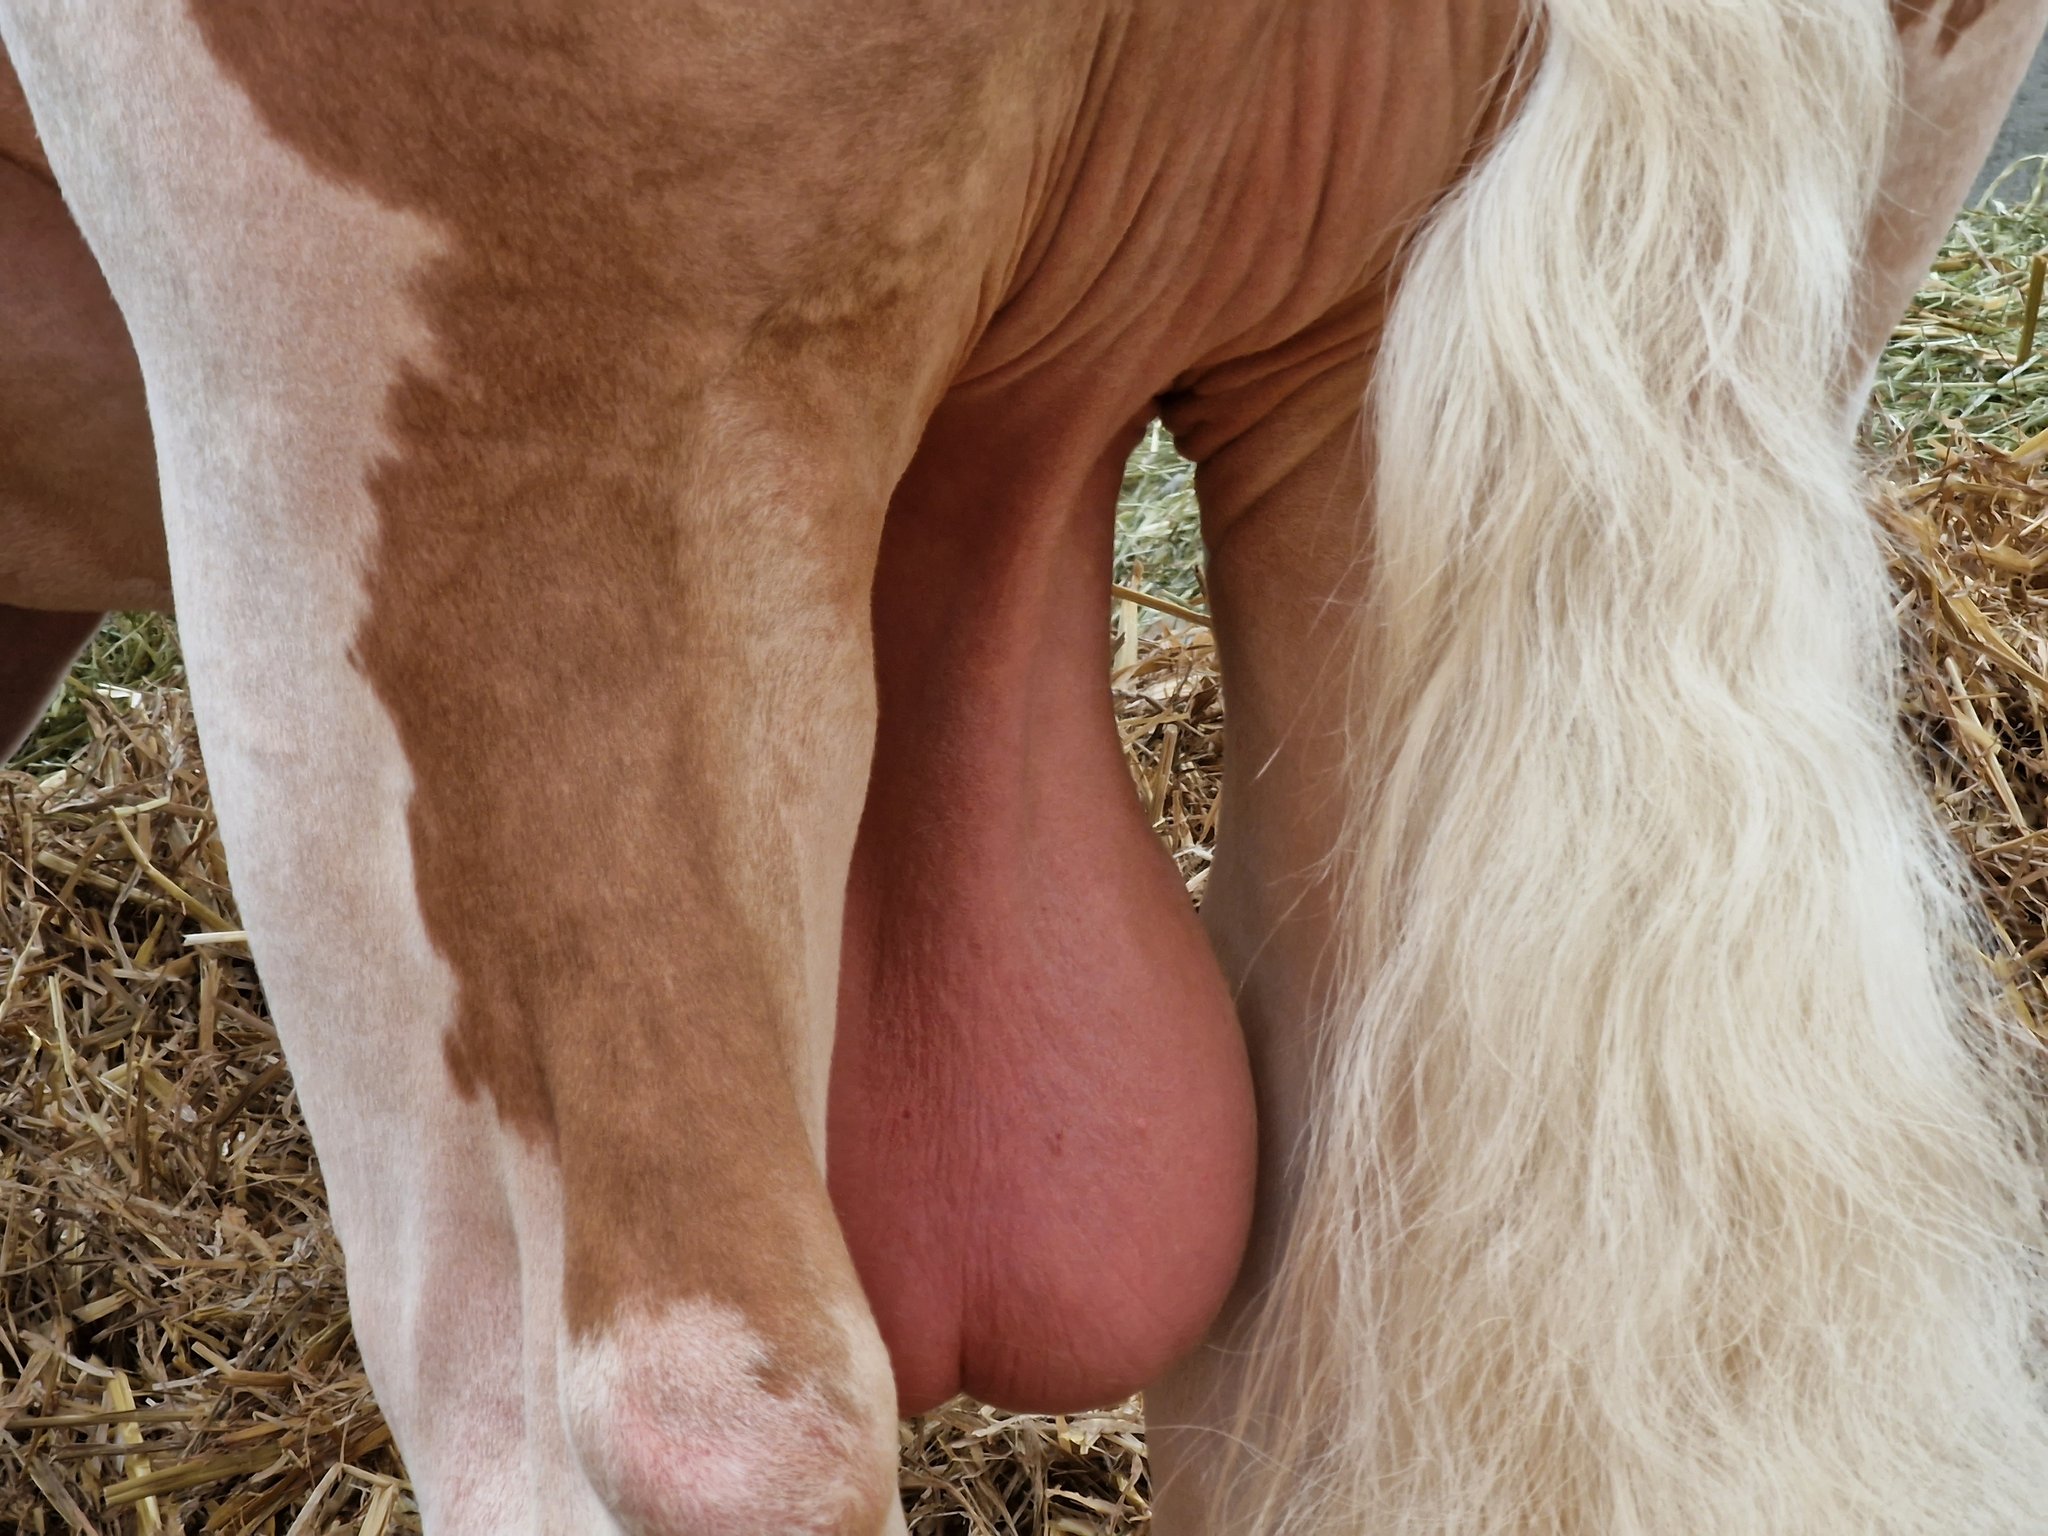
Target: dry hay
(175, 1330)
(1969, 543)
(174, 1345)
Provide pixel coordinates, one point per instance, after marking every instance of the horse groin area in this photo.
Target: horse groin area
(175, 1349)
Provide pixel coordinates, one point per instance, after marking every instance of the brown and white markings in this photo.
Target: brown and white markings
(545, 395)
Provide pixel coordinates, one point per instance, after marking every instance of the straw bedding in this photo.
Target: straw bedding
(175, 1353)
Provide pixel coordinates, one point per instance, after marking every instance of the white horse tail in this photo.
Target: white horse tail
(1666, 1175)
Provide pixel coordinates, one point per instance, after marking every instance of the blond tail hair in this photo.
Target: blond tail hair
(1664, 1177)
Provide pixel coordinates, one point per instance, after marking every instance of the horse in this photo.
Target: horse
(634, 480)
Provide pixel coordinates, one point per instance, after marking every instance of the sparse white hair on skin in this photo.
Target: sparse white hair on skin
(1663, 1175)
(678, 1433)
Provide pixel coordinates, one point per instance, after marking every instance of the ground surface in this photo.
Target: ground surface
(174, 1345)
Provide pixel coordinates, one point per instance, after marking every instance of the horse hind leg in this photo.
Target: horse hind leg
(536, 690)
(1650, 1176)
